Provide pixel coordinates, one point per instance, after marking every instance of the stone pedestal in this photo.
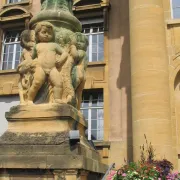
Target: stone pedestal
(37, 145)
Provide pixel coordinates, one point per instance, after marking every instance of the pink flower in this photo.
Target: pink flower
(124, 174)
(176, 172)
(111, 175)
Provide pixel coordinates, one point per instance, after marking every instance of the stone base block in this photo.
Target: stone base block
(36, 145)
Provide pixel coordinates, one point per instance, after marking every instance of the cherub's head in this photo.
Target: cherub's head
(82, 41)
(44, 32)
(63, 37)
(28, 39)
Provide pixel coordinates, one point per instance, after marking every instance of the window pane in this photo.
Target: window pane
(94, 124)
(17, 56)
(94, 48)
(16, 64)
(94, 38)
(100, 135)
(175, 3)
(101, 38)
(4, 67)
(85, 113)
(100, 47)
(100, 114)
(176, 13)
(94, 103)
(94, 134)
(18, 47)
(94, 56)
(5, 49)
(11, 48)
(85, 104)
(100, 102)
(10, 58)
(5, 57)
(93, 113)
(100, 124)
(101, 56)
(9, 65)
(176, 8)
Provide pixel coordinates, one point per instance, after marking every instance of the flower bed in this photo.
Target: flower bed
(159, 170)
(148, 168)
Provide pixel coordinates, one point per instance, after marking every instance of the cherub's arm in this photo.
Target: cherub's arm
(22, 56)
(74, 53)
(58, 49)
(61, 59)
(34, 53)
(28, 55)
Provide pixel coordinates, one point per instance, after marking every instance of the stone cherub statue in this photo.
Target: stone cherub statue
(69, 45)
(78, 73)
(54, 59)
(26, 67)
(49, 58)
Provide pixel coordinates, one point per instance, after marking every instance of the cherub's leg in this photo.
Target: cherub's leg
(57, 85)
(21, 94)
(69, 91)
(39, 79)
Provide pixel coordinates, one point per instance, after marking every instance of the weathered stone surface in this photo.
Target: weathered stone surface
(54, 60)
(44, 118)
(33, 138)
(51, 162)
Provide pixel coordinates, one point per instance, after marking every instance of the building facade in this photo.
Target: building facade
(133, 75)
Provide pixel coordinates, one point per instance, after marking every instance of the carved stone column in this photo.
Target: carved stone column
(149, 77)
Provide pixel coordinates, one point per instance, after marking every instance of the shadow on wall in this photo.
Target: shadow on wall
(119, 37)
(6, 102)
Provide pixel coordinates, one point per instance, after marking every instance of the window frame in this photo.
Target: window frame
(14, 50)
(89, 120)
(90, 47)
